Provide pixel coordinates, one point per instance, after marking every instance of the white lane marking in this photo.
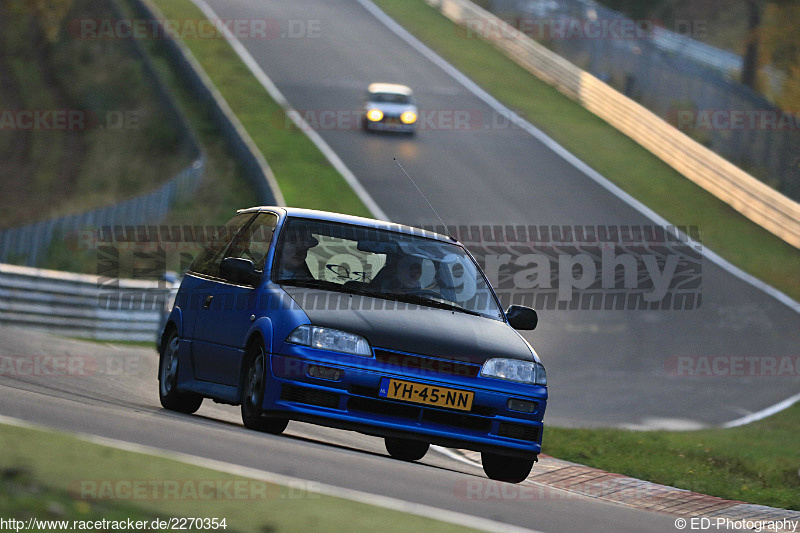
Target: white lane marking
(764, 413)
(563, 152)
(455, 456)
(394, 504)
(298, 120)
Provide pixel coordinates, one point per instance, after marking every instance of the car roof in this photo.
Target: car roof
(389, 88)
(327, 216)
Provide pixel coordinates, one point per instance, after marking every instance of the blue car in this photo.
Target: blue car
(356, 324)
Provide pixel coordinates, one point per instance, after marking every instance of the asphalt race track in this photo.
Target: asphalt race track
(605, 368)
(113, 393)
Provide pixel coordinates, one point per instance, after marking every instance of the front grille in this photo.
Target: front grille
(426, 364)
(483, 410)
(519, 431)
(293, 393)
(447, 418)
(379, 407)
(361, 390)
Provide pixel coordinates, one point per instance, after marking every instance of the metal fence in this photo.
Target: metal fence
(76, 305)
(673, 76)
(757, 201)
(29, 244)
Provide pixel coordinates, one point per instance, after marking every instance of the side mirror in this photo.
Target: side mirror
(240, 271)
(521, 317)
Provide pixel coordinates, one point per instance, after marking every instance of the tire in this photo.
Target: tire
(183, 402)
(253, 387)
(406, 449)
(503, 468)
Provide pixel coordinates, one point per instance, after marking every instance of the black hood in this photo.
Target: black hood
(412, 328)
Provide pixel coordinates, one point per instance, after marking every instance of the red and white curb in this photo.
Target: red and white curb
(553, 475)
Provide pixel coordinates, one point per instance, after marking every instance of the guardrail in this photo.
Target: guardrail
(80, 305)
(755, 200)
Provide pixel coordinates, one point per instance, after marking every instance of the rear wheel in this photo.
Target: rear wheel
(406, 449)
(504, 468)
(171, 399)
(255, 380)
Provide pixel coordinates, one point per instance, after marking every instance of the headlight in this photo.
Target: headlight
(374, 115)
(515, 370)
(330, 339)
(409, 117)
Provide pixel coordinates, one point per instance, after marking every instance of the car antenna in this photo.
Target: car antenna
(426, 199)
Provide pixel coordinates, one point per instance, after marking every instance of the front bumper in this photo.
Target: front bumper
(390, 123)
(352, 402)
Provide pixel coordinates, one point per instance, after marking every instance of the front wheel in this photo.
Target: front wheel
(406, 449)
(503, 468)
(168, 394)
(255, 382)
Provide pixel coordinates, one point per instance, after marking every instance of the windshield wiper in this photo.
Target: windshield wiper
(433, 302)
(301, 282)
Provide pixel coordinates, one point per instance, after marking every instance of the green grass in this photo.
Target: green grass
(608, 151)
(303, 174)
(53, 476)
(756, 463)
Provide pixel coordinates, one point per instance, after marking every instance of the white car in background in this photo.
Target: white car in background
(389, 107)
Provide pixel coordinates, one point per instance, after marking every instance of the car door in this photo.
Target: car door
(225, 314)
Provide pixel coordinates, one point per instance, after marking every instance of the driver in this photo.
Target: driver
(294, 252)
(401, 273)
(408, 273)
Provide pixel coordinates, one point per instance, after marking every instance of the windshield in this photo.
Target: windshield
(382, 263)
(389, 98)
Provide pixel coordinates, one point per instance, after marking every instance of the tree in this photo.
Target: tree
(49, 14)
(780, 48)
(750, 60)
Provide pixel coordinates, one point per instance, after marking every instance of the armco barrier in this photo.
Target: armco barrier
(79, 305)
(755, 200)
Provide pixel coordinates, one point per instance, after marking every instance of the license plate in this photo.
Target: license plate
(426, 394)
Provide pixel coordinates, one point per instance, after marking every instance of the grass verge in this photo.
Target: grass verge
(303, 174)
(757, 463)
(52, 476)
(605, 149)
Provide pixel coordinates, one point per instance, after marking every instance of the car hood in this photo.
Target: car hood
(412, 328)
(391, 109)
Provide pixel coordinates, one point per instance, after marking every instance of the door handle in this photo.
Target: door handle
(207, 303)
